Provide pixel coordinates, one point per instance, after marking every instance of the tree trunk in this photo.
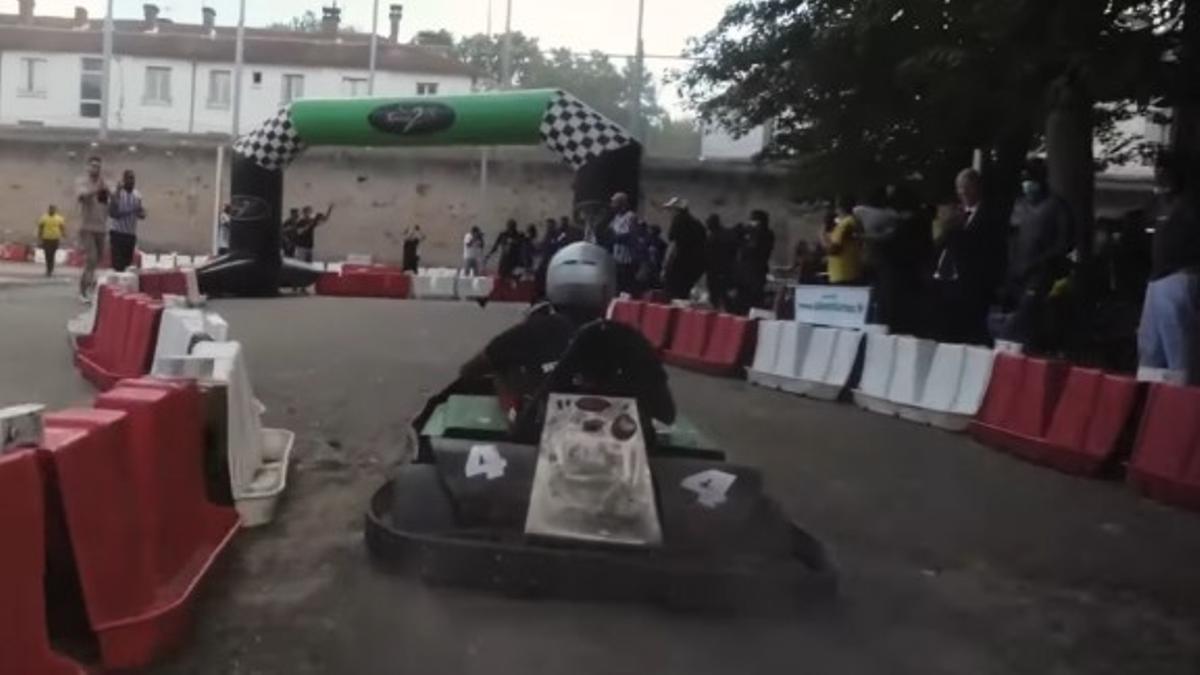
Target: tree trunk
(1185, 134)
(1070, 128)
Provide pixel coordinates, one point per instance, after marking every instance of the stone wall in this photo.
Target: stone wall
(377, 192)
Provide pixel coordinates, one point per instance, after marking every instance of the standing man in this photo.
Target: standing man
(508, 242)
(753, 261)
(287, 233)
(411, 260)
(473, 245)
(1045, 237)
(52, 227)
(306, 232)
(719, 270)
(124, 210)
(623, 250)
(91, 192)
(965, 274)
(684, 262)
(223, 225)
(843, 242)
(1167, 337)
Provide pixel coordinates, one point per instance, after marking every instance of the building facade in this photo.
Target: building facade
(180, 78)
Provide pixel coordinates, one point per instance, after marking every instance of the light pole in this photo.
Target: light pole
(374, 46)
(106, 87)
(639, 60)
(506, 50)
(239, 59)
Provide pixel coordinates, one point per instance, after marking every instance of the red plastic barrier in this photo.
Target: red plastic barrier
(151, 283)
(24, 642)
(142, 531)
(1166, 457)
(513, 290)
(397, 285)
(123, 341)
(728, 345)
(628, 312)
(1021, 397)
(1091, 414)
(16, 252)
(658, 324)
(691, 337)
(364, 281)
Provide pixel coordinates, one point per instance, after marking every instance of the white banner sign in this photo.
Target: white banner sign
(839, 306)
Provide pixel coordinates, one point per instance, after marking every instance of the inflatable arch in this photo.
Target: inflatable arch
(605, 157)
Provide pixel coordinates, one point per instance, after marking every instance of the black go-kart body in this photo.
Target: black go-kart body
(451, 525)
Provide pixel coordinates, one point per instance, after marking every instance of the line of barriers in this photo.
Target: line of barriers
(112, 516)
(381, 281)
(1077, 420)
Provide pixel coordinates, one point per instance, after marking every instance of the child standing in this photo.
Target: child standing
(51, 229)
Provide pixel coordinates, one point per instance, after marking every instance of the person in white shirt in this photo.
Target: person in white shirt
(473, 246)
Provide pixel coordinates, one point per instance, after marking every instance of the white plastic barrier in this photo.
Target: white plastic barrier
(183, 261)
(972, 388)
(435, 284)
(258, 457)
(356, 259)
(766, 354)
(149, 261)
(20, 425)
(166, 261)
(335, 267)
(200, 260)
(828, 364)
(910, 373)
(793, 345)
(180, 329)
(876, 380)
(473, 288)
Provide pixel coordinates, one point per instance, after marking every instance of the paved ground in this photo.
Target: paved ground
(954, 558)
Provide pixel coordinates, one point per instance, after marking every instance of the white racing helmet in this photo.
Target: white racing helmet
(581, 276)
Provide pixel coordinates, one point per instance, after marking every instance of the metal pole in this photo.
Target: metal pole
(106, 87)
(506, 50)
(638, 68)
(239, 59)
(374, 46)
(218, 193)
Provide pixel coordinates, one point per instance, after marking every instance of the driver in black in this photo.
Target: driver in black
(565, 346)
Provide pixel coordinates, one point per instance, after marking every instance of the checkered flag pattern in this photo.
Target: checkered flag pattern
(578, 133)
(274, 144)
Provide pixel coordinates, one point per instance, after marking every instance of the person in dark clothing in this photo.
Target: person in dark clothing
(508, 243)
(898, 248)
(549, 246)
(538, 356)
(531, 249)
(752, 262)
(656, 253)
(306, 230)
(1045, 238)
(412, 244)
(1170, 326)
(964, 276)
(684, 262)
(287, 234)
(719, 257)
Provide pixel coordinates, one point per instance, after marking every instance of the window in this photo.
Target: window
(91, 85)
(256, 79)
(427, 88)
(293, 87)
(354, 86)
(219, 89)
(33, 77)
(158, 86)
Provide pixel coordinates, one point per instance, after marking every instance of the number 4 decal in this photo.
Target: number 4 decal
(710, 486)
(485, 460)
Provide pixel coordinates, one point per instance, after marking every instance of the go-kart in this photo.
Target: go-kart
(607, 506)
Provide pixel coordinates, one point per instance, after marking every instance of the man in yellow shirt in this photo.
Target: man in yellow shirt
(843, 245)
(52, 227)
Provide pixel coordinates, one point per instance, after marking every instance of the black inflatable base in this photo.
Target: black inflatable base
(241, 275)
(412, 527)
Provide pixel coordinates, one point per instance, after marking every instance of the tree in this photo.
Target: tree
(483, 52)
(865, 92)
(308, 22)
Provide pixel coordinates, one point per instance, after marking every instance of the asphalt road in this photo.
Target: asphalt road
(953, 558)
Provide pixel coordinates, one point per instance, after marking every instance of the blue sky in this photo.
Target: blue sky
(582, 25)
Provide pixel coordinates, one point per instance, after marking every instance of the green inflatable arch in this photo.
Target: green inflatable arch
(606, 159)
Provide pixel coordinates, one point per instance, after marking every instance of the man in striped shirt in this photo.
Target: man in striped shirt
(624, 244)
(124, 211)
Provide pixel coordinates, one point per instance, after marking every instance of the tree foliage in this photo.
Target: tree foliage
(864, 92)
(308, 22)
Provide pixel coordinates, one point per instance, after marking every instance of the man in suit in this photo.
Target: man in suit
(968, 257)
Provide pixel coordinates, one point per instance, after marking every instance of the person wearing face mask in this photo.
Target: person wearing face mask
(1044, 239)
(1167, 336)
